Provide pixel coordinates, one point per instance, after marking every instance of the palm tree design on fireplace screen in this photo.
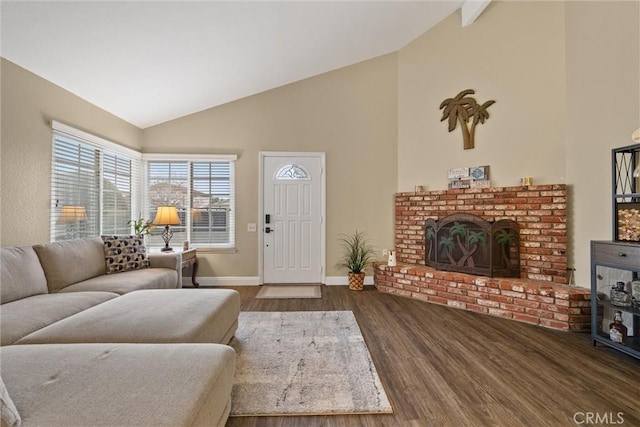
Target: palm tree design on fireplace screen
(470, 244)
(430, 239)
(447, 247)
(505, 238)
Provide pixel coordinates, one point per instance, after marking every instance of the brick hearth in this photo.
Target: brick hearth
(546, 304)
(540, 297)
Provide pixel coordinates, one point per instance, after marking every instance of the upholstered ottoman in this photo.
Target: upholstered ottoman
(150, 316)
(125, 385)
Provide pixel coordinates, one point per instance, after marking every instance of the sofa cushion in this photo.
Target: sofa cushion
(150, 316)
(21, 274)
(124, 253)
(120, 384)
(71, 261)
(24, 316)
(9, 415)
(148, 278)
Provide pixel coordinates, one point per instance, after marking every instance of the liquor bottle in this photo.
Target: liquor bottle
(617, 330)
(619, 295)
(635, 293)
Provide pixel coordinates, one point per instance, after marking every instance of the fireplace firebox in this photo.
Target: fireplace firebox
(469, 244)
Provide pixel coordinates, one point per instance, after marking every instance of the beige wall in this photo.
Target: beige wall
(565, 77)
(603, 109)
(514, 54)
(29, 103)
(349, 113)
(565, 80)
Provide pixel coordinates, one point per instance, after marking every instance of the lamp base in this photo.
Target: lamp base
(166, 236)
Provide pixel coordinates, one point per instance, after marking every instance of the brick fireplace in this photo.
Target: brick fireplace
(540, 211)
(539, 296)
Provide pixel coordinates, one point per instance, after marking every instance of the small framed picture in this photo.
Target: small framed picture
(185, 245)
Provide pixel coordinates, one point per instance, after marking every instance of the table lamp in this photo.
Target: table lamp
(167, 215)
(72, 214)
(72, 218)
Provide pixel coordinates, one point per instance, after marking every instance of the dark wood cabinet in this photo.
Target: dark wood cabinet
(615, 286)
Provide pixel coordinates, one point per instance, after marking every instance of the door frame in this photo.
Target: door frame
(262, 155)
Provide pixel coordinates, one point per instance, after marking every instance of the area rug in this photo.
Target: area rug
(289, 291)
(304, 363)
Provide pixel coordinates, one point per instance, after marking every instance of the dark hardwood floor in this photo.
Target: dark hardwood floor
(442, 366)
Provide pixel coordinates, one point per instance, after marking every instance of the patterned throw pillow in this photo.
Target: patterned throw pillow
(124, 253)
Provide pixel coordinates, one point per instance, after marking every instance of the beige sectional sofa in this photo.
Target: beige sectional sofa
(47, 283)
(91, 385)
(82, 347)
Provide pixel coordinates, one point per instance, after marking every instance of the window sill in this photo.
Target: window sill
(215, 250)
(157, 249)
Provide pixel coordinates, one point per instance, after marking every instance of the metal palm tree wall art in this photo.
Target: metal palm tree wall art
(463, 108)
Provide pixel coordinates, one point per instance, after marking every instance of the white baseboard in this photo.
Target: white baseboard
(344, 280)
(222, 281)
(254, 281)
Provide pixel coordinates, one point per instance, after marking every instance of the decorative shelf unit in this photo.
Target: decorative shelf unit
(626, 193)
(615, 265)
(613, 262)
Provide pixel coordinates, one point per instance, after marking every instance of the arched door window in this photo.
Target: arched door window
(292, 172)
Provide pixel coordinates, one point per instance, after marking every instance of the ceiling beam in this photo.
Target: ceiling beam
(471, 9)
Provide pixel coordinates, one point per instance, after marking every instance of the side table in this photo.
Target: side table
(189, 259)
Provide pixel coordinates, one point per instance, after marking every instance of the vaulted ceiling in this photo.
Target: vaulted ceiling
(149, 62)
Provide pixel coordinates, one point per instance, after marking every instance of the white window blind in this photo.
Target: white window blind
(94, 185)
(203, 190)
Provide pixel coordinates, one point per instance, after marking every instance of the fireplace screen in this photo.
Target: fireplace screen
(469, 244)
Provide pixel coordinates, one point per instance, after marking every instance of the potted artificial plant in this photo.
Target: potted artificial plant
(357, 256)
(141, 226)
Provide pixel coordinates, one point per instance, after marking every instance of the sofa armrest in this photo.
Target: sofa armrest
(170, 260)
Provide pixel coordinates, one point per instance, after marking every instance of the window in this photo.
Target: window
(93, 186)
(203, 190)
(292, 172)
(95, 190)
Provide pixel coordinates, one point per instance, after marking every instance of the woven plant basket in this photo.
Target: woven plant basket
(356, 281)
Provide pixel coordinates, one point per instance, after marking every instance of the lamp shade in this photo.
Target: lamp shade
(167, 215)
(72, 214)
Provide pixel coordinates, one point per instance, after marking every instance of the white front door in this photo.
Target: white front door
(292, 217)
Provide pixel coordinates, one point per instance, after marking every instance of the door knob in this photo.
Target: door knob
(268, 230)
